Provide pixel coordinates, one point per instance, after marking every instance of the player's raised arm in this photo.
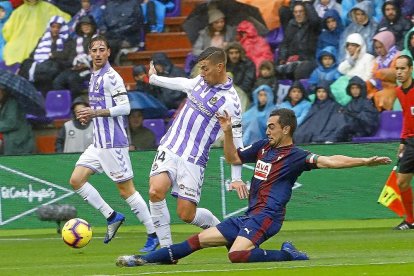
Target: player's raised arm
(178, 83)
(342, 161)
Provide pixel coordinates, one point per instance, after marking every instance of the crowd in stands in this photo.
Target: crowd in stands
(330, 61)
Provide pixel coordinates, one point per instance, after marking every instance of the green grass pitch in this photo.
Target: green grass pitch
(352, 247)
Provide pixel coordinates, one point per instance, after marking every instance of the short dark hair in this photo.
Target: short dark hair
(408, 58)
(214, 54)
(99, 38)
(286, 118)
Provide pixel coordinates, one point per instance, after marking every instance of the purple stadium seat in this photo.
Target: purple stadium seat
(389, 128)
(34, 119)
(157, 126)
(58, 103)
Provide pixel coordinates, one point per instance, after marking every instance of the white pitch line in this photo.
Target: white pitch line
(249, 269)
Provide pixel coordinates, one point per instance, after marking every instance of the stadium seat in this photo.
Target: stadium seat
(34, 119)
(58, 103)
(157, 126)
(389, 128)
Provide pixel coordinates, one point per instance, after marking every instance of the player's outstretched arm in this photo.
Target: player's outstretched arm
(342, 161)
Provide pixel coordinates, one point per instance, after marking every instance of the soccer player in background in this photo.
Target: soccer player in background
(183, 151)
(108, 153)
(405, 94)
(278, 165)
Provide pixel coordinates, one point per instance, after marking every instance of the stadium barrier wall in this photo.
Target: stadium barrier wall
(27, 182)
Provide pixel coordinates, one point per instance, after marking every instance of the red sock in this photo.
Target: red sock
(407, 199)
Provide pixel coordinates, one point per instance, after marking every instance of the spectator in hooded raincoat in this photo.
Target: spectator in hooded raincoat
(325, 121)
(24, 28)
(255, 118)
(394, 22)
(361, 115)
(297, 100)
(381, 87)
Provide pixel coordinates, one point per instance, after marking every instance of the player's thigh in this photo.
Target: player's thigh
(116, 164)
(211, 237)
(163, 171)
(258, 228)
(189, 182)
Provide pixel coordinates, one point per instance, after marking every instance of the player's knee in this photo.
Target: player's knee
(155, 194)
(76, 182)
(186, 214)
(238, 256)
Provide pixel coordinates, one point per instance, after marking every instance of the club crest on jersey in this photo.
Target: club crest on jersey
(262, 170)
(213, 100)
(97, 84)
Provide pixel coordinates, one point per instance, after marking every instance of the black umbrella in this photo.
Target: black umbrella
(24, 92)
(234, 11)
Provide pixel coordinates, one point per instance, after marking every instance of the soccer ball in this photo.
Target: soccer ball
(77, 233)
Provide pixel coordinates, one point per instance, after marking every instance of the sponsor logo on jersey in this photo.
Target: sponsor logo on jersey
(262, 170)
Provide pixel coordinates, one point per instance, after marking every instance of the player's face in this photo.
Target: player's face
(275, 133)
(403, 71)
(210, 72)
(100, 54)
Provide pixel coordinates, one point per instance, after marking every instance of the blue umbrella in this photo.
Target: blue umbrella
(24, 92)
(150, 106)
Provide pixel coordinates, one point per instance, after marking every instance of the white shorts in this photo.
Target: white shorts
(186, 178)
(115, 162)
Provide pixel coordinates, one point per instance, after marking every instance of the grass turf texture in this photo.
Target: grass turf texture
(351, 247)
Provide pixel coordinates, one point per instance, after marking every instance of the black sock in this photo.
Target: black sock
(152, 235)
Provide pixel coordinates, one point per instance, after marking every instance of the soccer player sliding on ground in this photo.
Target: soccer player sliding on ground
(278, 165)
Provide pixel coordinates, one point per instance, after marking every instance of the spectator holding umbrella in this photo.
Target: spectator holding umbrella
(17, 133)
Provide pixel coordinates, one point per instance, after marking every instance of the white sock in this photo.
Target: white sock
(140, 209)
(92, 196)
(204, 219)
(161, 219)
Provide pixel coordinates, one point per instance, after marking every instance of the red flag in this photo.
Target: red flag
(391, 196)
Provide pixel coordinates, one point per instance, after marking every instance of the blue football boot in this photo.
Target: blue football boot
(113, 226)
(293, 252)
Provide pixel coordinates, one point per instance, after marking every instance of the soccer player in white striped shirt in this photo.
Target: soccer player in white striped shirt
(183, 152)
(108, 153)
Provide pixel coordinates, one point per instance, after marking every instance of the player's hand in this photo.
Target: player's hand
(152, 70)
(224, 121)
(85, 114)
(378, 160)
(241, 189)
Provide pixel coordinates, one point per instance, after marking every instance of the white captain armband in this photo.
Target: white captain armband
(237, 129)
